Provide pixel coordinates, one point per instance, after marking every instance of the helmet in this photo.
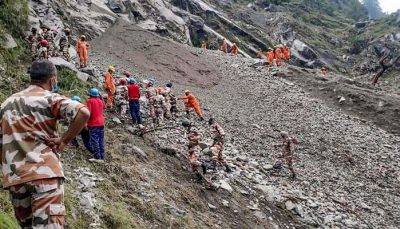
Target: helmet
(111, 68)
(187, 91)
(132, 81)
(122, 82)
(44, 43)
(127, 73)
(152, 80)
(83, 36)
(94, 92)
(211, 121)
(169, 85)
(67, 30)
(76, 98)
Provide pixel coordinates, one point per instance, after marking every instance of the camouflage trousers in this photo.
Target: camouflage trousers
(39, 204)
(167, 111)
(159, 114)
(65, 52)
(217, 150)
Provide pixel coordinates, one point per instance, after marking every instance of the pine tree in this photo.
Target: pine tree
(374, 9)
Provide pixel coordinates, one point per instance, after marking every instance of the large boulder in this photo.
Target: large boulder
(60, 62)
(10, 42)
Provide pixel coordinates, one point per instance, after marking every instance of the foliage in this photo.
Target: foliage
(70, 84)
(374, 9)
(14, 16)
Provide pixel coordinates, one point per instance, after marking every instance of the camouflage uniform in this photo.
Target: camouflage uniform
(52, 50)
(33, 45)
(32, 171)
(121, 99)
(64, 47)
(287, 154)
(151, 93)
(218, 145)
(194, 139)
(159, 104)
(167, 106)
(173, 102)
(42, 53)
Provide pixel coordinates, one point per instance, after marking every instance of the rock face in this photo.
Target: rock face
(10, 42)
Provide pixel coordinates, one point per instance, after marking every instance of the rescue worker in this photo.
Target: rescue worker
(278, 56)
(134, 105)
(43, 52)
(48, 35)
(126, 75)
(270, 56)
(159, 106)
(286, 53)
(32, 40)
(167, 107)
(84, 132)
(96, 124)
(287, 152)
(259, 53)
(203, 45)
(234, 49)
(65, 43)
(82, 49)
(218, 144)
(173, 100)
(151, 93)
(31, 147)
(192, 103)
(324, 71)
(224, 46)
(196, 164)
(109, 86)
(121, 97)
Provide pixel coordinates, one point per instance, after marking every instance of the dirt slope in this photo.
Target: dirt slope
(130, 47)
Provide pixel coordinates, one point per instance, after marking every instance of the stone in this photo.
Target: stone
(117, 6)
(268, 167)
(89, 71)
(86, 200)
(260, 215)
(212, 207)
(342, 100)
(256, 126)
(61, 63)
(225, 203)
(289, 205)
(138, 151)
(225, 185)
(365, 206)
(10, 42)
(116, 120)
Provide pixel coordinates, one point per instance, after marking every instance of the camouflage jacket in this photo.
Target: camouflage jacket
(217, 130)
(121, 95)
(27, 118)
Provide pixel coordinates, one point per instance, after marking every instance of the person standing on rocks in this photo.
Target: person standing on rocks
(287, 152)
(151, 94)
(278, 55)
(121, 97)
(192, 103)
(259, 53)
(217, 147)
(109, 86)
(286, 53)
(96, 124)
(82, 49)
(32, 40)
(43, 52)
(48, 35)
(31, 146)
(234, 49)
(134, 105)
(203, 45)
(224, 46)
(270, 56)
(159, 107)
(65, 43)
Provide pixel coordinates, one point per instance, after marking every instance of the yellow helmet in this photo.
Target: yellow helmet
(111, 68)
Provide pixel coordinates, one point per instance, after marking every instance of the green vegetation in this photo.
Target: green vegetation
(70, 84)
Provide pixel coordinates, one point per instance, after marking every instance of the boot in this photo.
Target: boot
(199, 177)
(204, 167)
(228, 169)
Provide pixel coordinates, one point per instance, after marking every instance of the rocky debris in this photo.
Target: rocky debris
(86, 192)
(117, 6)
(60, 62)
(361, 24)
(10, 42)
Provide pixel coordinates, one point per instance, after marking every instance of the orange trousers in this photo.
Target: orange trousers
(110, 98)
(196, 108)
(83, 56)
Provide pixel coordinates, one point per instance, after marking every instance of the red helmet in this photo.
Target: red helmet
(44, 43)
(122, 82)
(127, 73)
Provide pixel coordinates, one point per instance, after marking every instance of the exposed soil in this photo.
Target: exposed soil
(132, 48)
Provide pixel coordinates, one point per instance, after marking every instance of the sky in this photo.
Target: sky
(390, 6)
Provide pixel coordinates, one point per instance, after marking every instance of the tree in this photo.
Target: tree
(374, 9)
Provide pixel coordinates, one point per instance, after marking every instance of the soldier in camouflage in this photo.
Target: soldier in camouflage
(33, 43)
(65, 43)
(151, 93)
(30, 147)
(217, 147)
(121, 97)
(287, 152)
(159, 108)
(48, 35)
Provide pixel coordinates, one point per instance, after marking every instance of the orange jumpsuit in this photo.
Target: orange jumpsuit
(234, 49)
(270, 57)
(82, 49)
(109, 86)
(278, 56)
(286, 53)
(224, 46)
(192, 103)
